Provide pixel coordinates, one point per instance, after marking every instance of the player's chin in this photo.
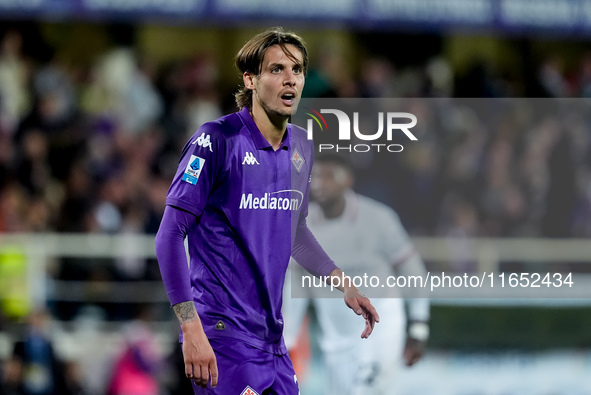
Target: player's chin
(293, 106)
(289, 108)
(285, 112)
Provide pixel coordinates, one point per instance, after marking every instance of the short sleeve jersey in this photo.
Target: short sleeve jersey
(249, 200)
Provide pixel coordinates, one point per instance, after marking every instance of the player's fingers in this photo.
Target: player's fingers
(213, 371)
(369, 325)
(204, 375)
(201, 376)
(189, 370)
(366, 329)
(353, 304)
(197, 375)
(370, 310)
(411, 359)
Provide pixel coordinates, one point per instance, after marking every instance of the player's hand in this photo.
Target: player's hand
(361, 305)
(200, 361)
(413, 351)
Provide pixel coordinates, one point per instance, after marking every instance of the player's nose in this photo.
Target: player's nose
(290, 79)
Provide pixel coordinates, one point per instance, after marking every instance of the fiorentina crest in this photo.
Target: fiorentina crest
(249, 391)
(297, 160)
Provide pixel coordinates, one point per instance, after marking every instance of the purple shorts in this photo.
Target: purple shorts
(246, 370)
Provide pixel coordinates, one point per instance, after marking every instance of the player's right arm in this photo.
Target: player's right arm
(199, 358)
(199, 168)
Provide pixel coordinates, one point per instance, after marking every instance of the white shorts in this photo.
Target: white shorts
(370, 366)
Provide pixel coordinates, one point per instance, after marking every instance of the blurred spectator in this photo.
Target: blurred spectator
(32, 169)
(11, 382)
(12, 207)
(122, 92)
(561, 196)
(135, 370)
(551, 77)
(14, 80)
(40, 370)
(377, 78)
(439, 78)
(331, 75)
(200, 90)
(73, 380)
(54, 81)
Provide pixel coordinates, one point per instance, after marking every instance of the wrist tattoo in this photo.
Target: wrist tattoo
(185, 311)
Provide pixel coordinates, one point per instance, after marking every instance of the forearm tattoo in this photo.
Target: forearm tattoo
(185, 311)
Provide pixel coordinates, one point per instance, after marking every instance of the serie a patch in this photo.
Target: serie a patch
(193, 169)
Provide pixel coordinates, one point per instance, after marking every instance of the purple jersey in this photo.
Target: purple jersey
(250, 200)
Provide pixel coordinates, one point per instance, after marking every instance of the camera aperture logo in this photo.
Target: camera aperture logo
(394, 123)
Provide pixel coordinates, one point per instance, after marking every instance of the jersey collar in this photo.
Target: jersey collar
(257, 137)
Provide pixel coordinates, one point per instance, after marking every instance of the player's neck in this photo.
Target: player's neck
(334, 209)
(272, 129)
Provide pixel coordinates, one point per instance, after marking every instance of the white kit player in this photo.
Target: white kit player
(363, 236)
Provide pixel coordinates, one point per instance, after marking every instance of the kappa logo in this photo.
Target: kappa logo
(297, 160)
(204, 141)
(249, 391)
(249, 159)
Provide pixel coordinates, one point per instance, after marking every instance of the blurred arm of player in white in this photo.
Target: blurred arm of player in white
(406, 262)
(417, 312)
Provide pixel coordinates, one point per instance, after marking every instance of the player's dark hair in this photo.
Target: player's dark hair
(250, 57)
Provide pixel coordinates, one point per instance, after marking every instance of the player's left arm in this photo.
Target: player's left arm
(407, 262)
(417, 312)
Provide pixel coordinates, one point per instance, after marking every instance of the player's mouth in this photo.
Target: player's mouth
(288, 98)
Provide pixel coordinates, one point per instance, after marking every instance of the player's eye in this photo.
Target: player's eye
(297, 70)
(276, 70)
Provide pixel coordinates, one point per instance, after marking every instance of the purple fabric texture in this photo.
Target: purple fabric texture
(170, 251)
(309, 254)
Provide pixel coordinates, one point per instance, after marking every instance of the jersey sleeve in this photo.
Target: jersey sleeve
(170, 251)
(308, 253)
(199, 170)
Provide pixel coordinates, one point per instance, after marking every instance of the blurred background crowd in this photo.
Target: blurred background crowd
(90, 145)
(93, 119)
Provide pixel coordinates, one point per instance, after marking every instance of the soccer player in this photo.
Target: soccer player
(240, 196)
(363, 236)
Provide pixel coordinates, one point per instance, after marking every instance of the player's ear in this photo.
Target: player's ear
(248, 79)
